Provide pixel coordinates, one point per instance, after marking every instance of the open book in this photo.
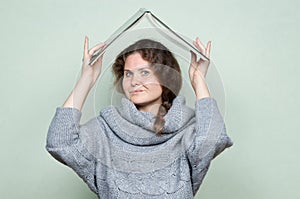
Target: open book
(144, 24)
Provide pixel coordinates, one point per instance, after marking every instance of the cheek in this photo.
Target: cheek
(155, 87)
(125, 85)
(153, 81)
(158, 88)
(156, 84)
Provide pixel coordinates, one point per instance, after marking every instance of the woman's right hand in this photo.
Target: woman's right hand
(91, 72)
(89, 75)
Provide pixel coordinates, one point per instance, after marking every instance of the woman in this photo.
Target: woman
(153, 145)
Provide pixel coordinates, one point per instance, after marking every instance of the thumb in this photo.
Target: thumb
(192, 64)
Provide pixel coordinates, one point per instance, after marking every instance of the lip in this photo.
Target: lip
(137, 91)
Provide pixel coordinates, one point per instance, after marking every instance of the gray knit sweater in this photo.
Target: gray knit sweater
(119, 156)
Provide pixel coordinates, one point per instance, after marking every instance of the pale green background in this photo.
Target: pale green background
(255, 47)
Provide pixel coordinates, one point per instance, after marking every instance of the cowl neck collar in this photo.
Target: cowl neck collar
(136, 127)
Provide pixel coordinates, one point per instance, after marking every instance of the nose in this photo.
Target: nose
(135, 80)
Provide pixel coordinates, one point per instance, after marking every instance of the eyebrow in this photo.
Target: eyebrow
(139, 69)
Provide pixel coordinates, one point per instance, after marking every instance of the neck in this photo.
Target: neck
(153, 108)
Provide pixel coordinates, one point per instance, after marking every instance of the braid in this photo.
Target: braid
(167, 105)
(160, 121)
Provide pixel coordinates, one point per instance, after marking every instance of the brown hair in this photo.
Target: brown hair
(165, 67)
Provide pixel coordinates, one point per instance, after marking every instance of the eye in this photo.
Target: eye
(128, 74)
(145, 72)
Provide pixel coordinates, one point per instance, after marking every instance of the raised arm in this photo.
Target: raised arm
(210, 132)
(89, 75)
(69, 142)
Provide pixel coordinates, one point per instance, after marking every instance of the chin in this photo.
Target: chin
(137, 100)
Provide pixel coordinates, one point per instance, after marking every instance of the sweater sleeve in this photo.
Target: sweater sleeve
(73, 144)
(209, 141)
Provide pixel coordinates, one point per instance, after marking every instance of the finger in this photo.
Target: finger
(199, 42)
(194, 42)
(208, 47)
(98, 64)
(95, 48)
(86, 47)
(193, 57)
(193, 64)
(200, 45)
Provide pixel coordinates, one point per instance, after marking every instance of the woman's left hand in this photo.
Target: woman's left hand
(198, 69)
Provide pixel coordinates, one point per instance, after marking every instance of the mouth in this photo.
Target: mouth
(136, 91)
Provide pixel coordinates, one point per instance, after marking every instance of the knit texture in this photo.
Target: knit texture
(118, 154)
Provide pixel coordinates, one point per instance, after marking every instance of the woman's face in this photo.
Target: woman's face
(140, 84)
